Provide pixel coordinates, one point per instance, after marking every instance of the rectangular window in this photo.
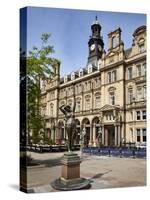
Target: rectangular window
(113, 42)
(138, 135)
(129, 73)
(139, 93)
(89, 85)
(109, 77)
(144, 92)
(144, 114)
(77, 89)
(85, 89)
(138, 68)
(87, 104)
(131, 115)
(144, 134)
(114, 75)
(138, 115)
(97, 102)
(144, 68)
(97, 82)
(78, 106)
(130, 95)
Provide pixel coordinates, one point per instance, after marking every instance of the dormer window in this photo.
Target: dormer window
(65, 79)
(80, 73)
(73, 76)
(90, 69)
(141, 48)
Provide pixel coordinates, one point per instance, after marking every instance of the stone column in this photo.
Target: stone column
(58, 135)
(94, 135)
(106, 137)
(119, 135)
(116, 138)
(51, 136)
(91, 135)
(103, 136)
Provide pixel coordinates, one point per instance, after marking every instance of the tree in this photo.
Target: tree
(40, 67)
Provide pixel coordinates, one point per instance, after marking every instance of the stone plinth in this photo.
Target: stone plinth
(70, 166)
(70, 174)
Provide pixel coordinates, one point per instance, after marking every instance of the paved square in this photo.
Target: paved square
(104, 172)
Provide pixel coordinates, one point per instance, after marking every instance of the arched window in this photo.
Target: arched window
(80, 72)
(90, 68)
(51, 109)
(112, 98)
(141, 44)
(72, 76)
(65, 79)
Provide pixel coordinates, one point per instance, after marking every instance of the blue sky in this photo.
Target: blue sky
(71, 29)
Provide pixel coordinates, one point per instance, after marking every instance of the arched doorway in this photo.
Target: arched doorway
(96, 127)
(77, 133)
(86, 125)
(61, 133)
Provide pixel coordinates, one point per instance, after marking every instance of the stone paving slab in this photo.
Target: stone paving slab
(104, 172)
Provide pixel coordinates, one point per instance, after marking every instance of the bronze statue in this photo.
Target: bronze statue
(70, 122)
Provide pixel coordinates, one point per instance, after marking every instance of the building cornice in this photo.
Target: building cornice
(135, 58)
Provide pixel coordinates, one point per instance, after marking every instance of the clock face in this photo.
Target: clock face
(92, 47)
(99, 48)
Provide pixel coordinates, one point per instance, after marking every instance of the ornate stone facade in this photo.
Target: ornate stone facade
(110, 93)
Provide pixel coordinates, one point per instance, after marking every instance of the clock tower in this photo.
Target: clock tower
(95, 44)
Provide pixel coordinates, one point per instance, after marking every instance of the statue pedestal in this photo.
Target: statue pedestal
(70, 174)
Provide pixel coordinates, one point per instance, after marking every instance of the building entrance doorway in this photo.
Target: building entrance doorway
(86, 126)
(110, 135)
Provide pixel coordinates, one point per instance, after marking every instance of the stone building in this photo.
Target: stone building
(110, 92)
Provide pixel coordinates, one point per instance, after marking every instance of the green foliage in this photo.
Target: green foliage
(40, 66)
(48, 141)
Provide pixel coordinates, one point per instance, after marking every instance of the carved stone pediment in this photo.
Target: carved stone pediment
(111, 54)
(109, 107)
